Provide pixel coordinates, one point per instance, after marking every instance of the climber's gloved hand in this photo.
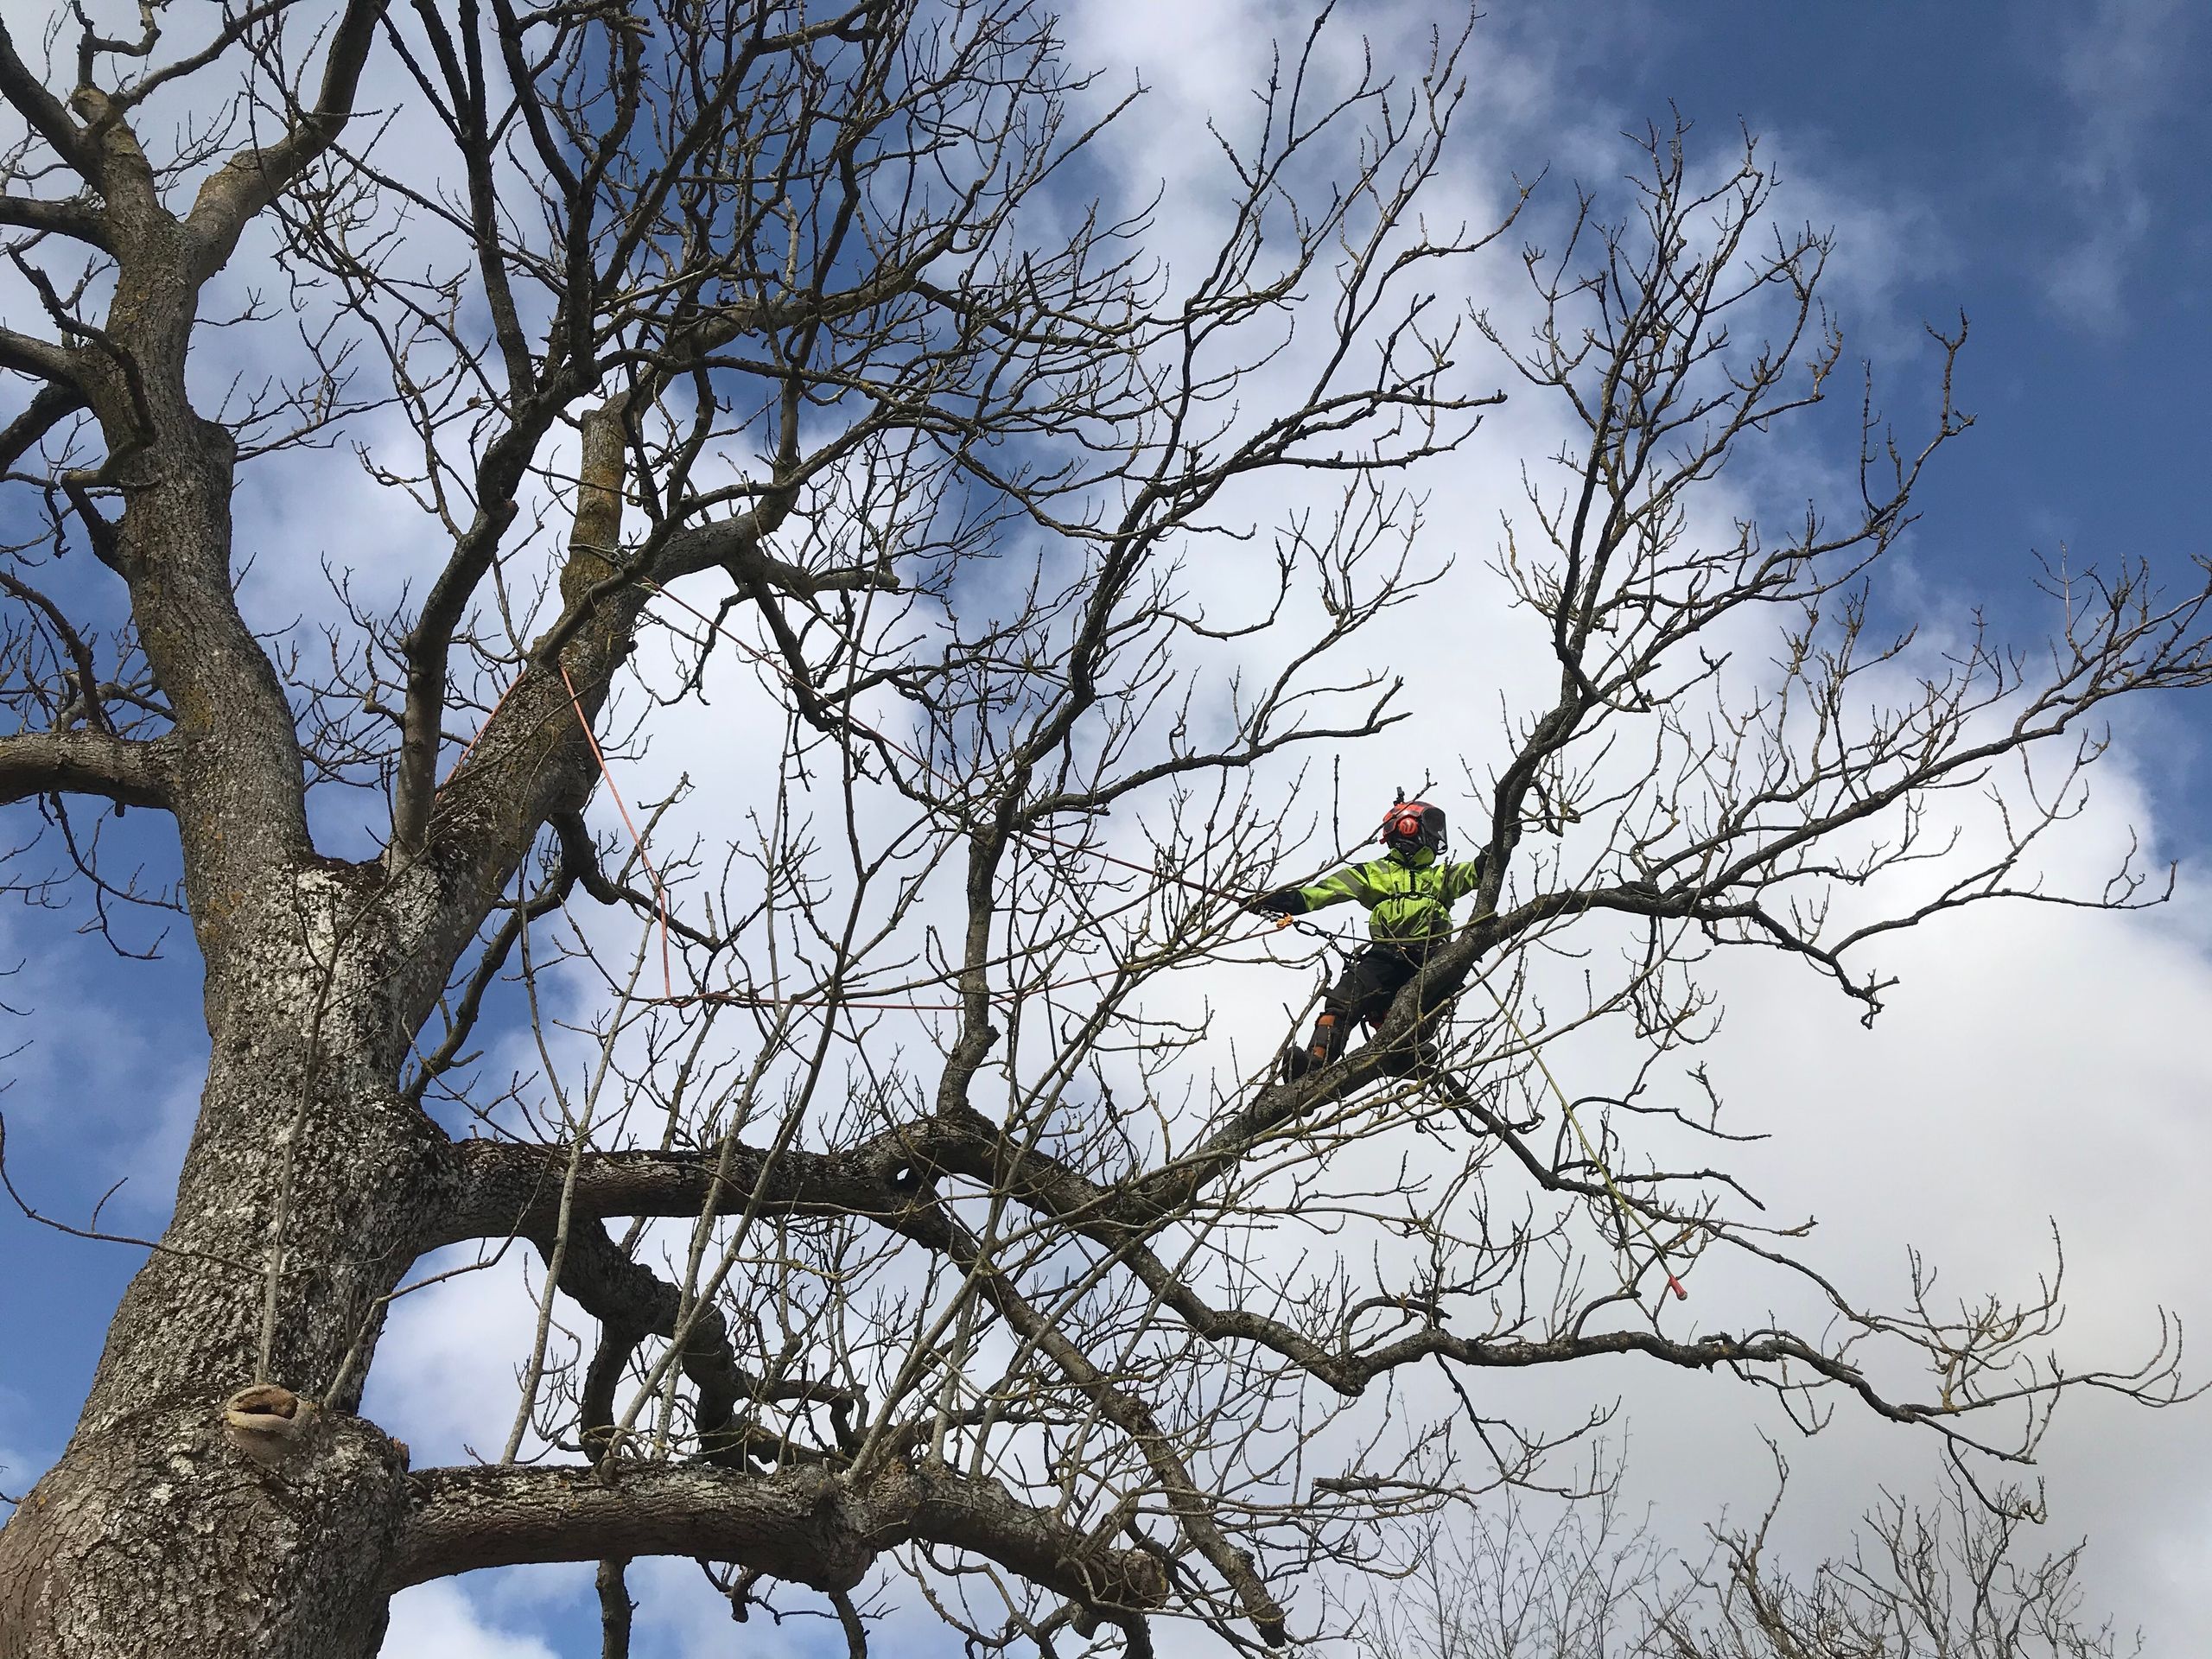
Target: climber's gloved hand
(1284, 901)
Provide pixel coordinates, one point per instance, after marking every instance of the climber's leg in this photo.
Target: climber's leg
(1365, 990)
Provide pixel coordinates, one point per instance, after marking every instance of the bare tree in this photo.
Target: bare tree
(920, 1210)
(1579, 1584)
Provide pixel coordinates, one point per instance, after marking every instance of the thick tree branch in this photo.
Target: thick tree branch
(806, 1525)
(52, 404)
(632, 1302)
(505, 1189)
(249, 181)
(41, 359)
(615, 1608)
(26, 94)
(77, 219)
(736, 545)
(131, 773)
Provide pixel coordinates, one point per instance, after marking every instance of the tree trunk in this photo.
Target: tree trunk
(163, 1530)
(156, 1535)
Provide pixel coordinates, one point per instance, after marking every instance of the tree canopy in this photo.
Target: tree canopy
(1007, 561)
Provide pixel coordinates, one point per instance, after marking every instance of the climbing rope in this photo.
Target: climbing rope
(636, 840)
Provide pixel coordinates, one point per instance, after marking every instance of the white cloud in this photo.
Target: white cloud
(2119, 70)
(439, 1621)
(446, 1380)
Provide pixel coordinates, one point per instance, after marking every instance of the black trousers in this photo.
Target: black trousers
(1369, 984)
(1372, 979)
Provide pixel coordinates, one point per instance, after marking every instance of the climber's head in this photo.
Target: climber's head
(1411, 826)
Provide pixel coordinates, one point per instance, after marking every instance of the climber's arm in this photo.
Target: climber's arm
(1348, 883)
(1461, 879)
(1351, 883)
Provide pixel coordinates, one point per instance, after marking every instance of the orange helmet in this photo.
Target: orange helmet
(1411, 825)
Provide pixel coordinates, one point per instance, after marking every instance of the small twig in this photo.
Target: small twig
(29, 1214)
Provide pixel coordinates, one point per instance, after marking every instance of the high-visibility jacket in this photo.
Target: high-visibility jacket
(1408, 898)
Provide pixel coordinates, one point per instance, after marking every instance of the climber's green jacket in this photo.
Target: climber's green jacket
(1408, 898)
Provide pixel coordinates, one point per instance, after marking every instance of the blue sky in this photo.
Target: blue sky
(2053, 157)
(2046, 164)
(2041, 166)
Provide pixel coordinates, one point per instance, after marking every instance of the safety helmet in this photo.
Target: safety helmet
(1411, 825)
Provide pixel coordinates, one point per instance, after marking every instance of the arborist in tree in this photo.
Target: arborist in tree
(1409, 892)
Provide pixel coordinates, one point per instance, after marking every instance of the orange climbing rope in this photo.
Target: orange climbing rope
(636, 840)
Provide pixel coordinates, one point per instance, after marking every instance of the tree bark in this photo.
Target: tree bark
(162, 1529)
(155, 1534)
(158, 1531)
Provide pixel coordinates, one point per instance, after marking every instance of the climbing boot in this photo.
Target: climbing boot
(1330, 1032)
